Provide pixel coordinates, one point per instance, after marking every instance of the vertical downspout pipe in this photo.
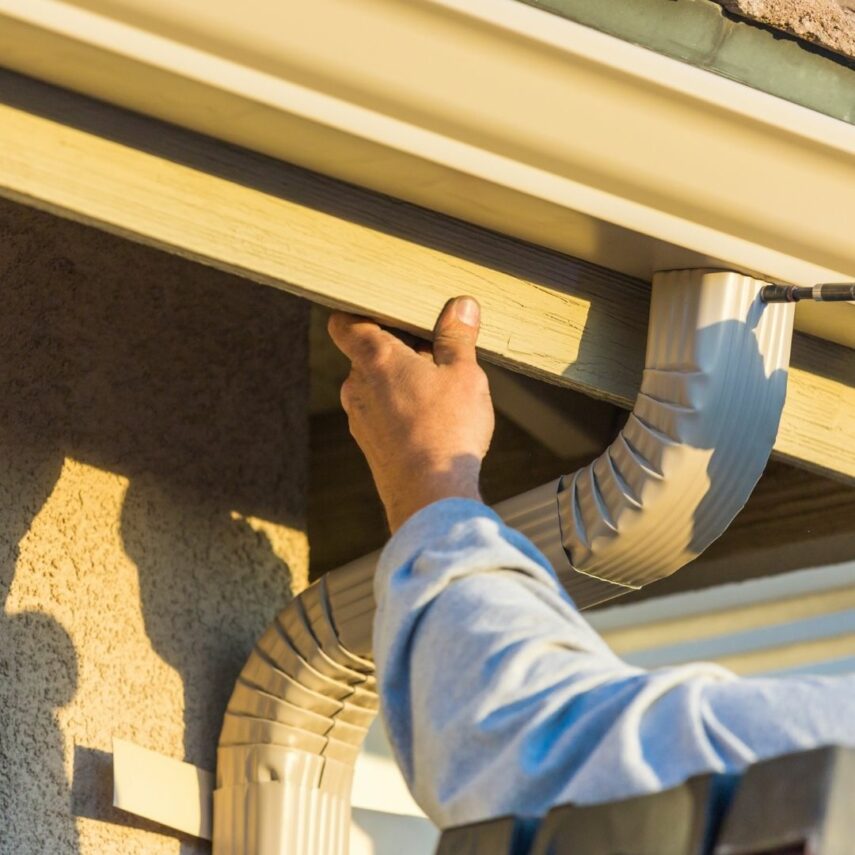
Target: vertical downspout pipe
(685, 463)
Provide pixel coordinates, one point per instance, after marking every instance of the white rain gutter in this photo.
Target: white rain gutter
(488, 110)
(694, 446)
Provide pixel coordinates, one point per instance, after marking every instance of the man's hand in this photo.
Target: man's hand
(423, 418)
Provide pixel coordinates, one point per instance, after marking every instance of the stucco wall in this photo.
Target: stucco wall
(152, 479)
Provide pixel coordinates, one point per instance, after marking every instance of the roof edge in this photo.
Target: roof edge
(703, 34)
(507, 117)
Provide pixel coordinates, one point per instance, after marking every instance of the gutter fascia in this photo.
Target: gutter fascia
(554, 132)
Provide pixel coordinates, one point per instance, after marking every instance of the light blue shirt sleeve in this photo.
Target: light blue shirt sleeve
(499, 698)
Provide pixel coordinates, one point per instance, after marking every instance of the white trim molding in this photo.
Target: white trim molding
(802, 622)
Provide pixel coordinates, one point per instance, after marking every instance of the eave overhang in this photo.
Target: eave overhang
(486, 110)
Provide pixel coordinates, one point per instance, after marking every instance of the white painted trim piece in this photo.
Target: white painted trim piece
(162, 789)
(803, 654)
(832, 668)
(759, 639)
(722, 598)
(379, 786)
(799, 623)
(377, 781)
(378, 833)
(179, 795)
(561, 135)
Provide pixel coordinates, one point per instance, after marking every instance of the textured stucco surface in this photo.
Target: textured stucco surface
(830, 23)
(152, 480)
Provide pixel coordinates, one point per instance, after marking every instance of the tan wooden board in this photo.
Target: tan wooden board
(545, 314)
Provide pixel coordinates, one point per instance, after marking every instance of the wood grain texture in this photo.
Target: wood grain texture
(545, 314)
(566, 423)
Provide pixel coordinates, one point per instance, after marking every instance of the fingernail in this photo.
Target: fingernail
(467, 311)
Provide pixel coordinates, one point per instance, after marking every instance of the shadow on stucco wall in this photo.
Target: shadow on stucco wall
(32, 773)
(181, 392)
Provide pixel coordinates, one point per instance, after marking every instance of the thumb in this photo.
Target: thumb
(456, 331)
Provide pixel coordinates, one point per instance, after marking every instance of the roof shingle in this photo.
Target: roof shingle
(830, 23)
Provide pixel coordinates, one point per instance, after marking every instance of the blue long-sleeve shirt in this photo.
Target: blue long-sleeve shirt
(499, 698)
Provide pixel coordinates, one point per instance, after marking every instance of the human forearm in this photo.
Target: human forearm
(499, 697)
(470, 617)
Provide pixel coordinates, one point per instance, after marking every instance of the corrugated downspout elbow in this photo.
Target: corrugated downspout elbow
(295, 723)
(686, 461)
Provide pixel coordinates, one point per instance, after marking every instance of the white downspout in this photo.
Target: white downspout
(687, 460)
(691, 452)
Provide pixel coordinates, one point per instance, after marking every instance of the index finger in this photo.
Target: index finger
(359, 338)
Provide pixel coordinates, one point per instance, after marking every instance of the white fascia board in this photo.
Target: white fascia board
(487, 110)
(691, 614)
(801, 622)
